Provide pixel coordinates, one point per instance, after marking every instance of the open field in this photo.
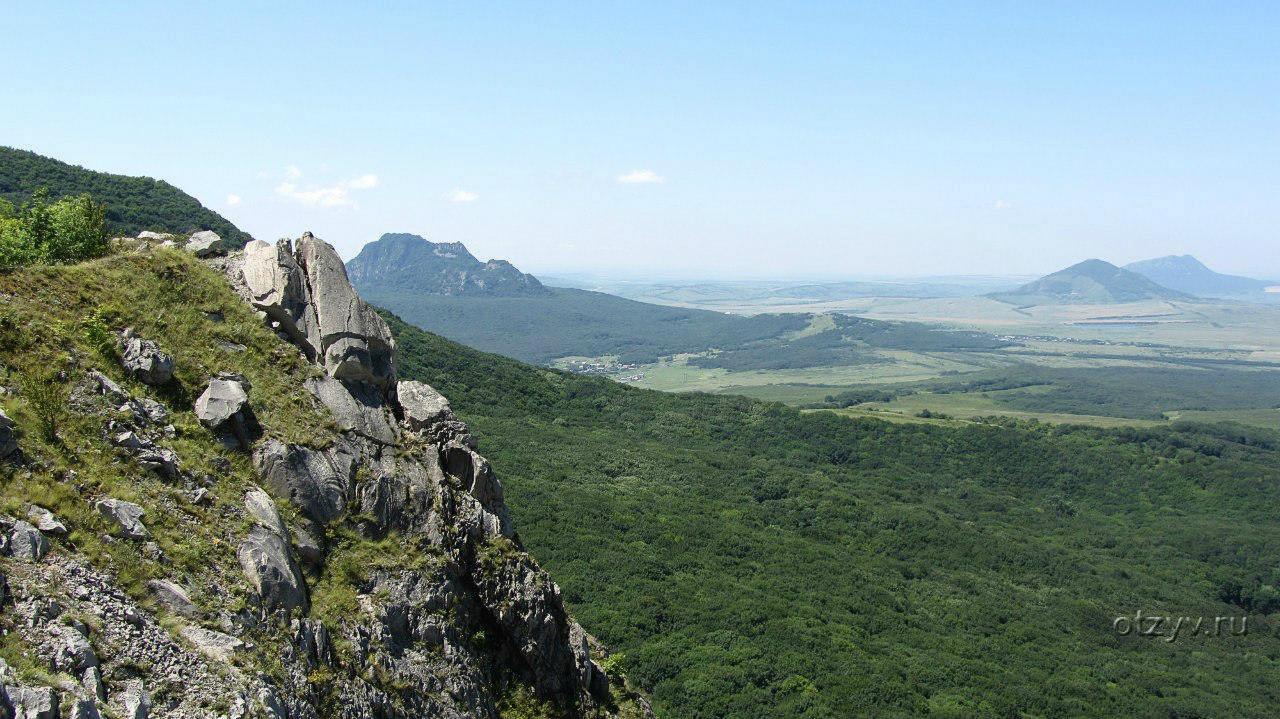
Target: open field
(963, 406)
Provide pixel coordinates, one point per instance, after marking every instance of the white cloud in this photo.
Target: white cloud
(337, 195)
(1002, 205)
(636, 177)
(364, 182)
(461, 196)
(233, 200)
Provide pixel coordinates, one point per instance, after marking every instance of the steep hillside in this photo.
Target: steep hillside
(145, 572)
(133, 203)
(754, 561)
(1089, 282)
(1187, 274)
(404, 262)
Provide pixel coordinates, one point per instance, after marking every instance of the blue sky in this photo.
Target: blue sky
(702, 139)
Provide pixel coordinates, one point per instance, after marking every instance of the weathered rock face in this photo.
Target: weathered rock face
(303, 287)
(318, 482)
(356, 407)
(143, 360)
(272, 573)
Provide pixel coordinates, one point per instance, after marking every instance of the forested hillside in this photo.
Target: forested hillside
(755, 561)
(567, 322)
(132, 204)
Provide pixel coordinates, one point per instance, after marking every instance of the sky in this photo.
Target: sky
(709, 140)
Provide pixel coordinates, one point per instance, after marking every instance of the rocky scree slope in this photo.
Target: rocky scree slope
(222, 505)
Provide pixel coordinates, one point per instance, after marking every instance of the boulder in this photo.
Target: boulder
(264, 513)
(143, 360)
(126, 515)
(134, 701)
(85, 709)
(224, 407)
(172, 597)
(149, 235)
(317, 482)
(422, 405)
(74, 653)
(33, 702)
(272, 573)
(46, 522)
(215, 645)
(206, 243)
(106, 386)
(8, 436)
(356, 408)
(26, 542)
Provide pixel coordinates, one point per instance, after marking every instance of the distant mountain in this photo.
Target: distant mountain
(1090, 282)
(402, 261)
(133, 203)
(494, 307)
(1187, 274)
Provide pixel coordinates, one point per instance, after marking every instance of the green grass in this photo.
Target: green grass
(51, 334)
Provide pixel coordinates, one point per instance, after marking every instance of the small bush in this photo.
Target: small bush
(47, 399)
(69, 230)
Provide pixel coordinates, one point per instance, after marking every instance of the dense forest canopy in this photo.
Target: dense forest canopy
(754, 561)
(132, 204)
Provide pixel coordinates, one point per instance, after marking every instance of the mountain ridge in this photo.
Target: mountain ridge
(133, 203)
(1092, 281)
(1186, 273)
(407, 261)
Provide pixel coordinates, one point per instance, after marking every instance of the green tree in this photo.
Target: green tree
(69, 230)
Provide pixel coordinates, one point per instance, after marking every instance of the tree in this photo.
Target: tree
(69, 230)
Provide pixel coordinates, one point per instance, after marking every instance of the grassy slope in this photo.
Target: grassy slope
(755, 561)
(133, 203)
(51, 322)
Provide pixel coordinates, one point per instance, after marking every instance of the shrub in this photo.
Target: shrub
(69, 230)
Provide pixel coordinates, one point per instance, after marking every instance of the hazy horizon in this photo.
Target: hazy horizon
(713, 141)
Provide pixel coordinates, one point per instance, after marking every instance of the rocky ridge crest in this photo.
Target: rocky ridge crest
(450, 628)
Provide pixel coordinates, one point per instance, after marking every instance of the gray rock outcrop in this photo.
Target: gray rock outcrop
(25, 541)
(212, 644)
(317, 482)
(274, 577)
(172, 597)
(422, 405)
(356, 407)
(127, 517)
(144, 361)
(46, 522)
(303, 288)
(206, 243)
(425, 603)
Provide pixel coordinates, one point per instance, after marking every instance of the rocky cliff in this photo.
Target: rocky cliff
(402, 261)
(236, 509)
